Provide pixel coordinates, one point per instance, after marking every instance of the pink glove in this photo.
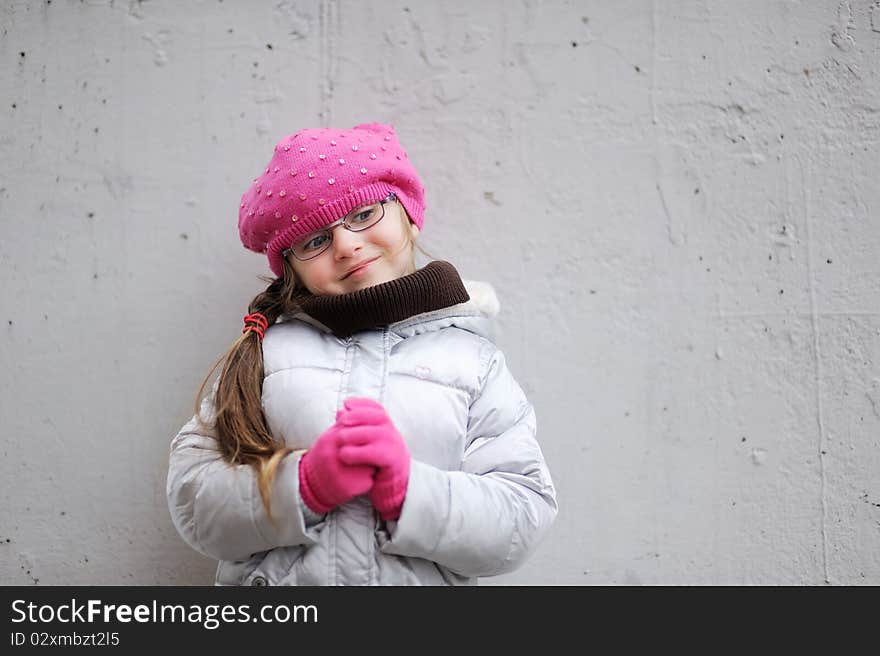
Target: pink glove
(372, 440)
(324, 480)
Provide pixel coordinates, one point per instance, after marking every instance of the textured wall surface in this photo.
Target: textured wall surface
(677, 203)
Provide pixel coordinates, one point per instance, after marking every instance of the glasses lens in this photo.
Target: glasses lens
(312, 245)
(365, 217)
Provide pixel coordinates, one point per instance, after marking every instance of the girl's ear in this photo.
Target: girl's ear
(413, 230)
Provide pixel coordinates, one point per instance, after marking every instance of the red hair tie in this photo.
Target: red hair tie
(256, 318)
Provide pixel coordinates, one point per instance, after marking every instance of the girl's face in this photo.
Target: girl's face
(387, 246)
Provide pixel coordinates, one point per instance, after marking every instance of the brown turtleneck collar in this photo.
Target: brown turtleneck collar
(436, 285)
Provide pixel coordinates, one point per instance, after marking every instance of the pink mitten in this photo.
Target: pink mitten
(372, 439)
(324, 480)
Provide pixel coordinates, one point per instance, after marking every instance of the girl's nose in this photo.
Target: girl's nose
(345, 242)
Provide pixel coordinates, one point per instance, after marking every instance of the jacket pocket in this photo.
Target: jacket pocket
(278, 567)
(235, 572)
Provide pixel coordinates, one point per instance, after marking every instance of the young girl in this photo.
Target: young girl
(364, 429)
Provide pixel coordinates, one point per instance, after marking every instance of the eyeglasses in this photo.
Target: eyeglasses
(356, 221)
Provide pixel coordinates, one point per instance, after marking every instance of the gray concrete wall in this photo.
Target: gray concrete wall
(677, 203)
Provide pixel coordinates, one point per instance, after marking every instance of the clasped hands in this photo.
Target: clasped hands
(362, 453)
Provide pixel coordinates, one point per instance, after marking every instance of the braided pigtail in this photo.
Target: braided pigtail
(239, 425)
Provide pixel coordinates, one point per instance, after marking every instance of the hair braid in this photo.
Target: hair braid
(239, 425)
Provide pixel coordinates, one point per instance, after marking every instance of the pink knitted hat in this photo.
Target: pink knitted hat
(319, 175)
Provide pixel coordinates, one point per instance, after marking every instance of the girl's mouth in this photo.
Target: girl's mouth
(361, 269)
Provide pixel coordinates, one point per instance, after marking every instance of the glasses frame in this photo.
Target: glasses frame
(329, 229)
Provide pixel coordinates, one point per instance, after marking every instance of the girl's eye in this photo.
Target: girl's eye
(314, 242)
(364, 215)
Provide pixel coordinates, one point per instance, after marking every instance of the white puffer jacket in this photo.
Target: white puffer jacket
(480, 497)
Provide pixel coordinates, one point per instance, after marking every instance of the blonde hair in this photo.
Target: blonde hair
(239, 425)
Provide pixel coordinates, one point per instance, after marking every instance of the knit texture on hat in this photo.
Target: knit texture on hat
(319, 175)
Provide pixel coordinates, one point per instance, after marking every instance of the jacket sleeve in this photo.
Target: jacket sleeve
(216, 506)
(487, 518)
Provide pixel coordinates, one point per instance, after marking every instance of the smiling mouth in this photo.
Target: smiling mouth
(359, 268)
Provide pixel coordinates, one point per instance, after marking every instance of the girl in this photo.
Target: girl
(364, 429)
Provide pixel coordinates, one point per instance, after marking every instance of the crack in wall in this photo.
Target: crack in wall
(814, 322)
(329, 29)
